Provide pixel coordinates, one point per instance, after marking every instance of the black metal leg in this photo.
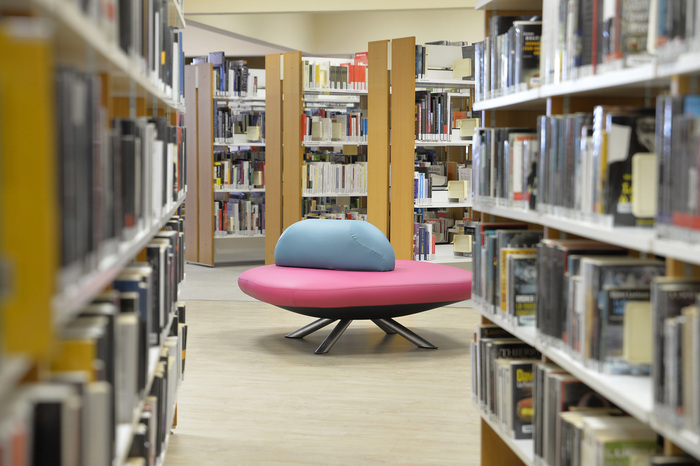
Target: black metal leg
(407, 334)
(380, 324)
(310, 328)
(333, 336)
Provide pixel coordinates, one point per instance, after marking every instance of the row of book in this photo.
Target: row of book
(243, 169)
(440, 219)
(116, 364)
(424, 241)
(583, 166)
(323, 74)
(239, 214)
(437, 114)
(145, 34)
(508, 59)
(568, 422)
(115, 179)
(233, 78)
(334, 178)
(578, 38)
(333, 208)
(598, 305)
(343, 126)
(229, 122)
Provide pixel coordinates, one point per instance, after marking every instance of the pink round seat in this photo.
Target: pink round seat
(331, 295)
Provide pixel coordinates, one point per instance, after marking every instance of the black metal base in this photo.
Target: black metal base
(390, 326)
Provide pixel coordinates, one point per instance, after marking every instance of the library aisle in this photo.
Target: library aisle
(254, 397)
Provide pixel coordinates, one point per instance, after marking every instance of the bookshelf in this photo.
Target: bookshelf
(54, 46)
(638, 85)
(449, 148)
(222, 145)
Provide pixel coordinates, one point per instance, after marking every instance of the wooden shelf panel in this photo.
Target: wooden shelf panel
(524, 449)
(74, 297)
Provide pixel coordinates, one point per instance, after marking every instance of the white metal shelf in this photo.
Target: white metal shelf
(239, 190)
(238, 142)
(254, 100)
(67, 303)
(443, 83)
(334, 195)
(443, 205)
(452, 142)
(525, 100)
(223, 236)
(686, 440)
(633, 394)
(79, 36)
(640, 239)
(332, 143)
(524, 449)
(329, 91)
(444, 254)
(177, 16)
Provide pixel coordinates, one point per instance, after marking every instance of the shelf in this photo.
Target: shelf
(443, 205)
(458, 143)
(332, 143)
(524, 449)
(639, 239)
(218, 236)
(257, 100)
(239, 141)
(239, 190)
(332, 98)
(512, 5)
(633, 394)
(334, 195)
(328, 91)
(444, 254)
(443, 83)
(674, 249)
(528, 334)
(686, 63)
(528, 216)
(74, 297)
(177, 16)
(525, 100)
(686, 440)
(79, 36)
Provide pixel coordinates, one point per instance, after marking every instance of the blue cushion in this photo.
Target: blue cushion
(336, 245)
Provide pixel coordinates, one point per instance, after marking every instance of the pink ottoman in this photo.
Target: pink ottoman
(332, 295)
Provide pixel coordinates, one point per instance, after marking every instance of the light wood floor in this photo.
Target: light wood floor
(251, 396)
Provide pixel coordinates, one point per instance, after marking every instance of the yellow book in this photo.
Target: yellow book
(637, 335)
(28, 239)
(76, 355)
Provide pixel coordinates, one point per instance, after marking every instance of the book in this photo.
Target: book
(597, 273)
(619, 439)
(668, 297)
(522, 287)
(615, 301)
(520, 400)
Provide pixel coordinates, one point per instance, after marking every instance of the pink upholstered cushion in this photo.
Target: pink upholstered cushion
(410, 282)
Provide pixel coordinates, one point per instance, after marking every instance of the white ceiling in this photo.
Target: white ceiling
(322, 27)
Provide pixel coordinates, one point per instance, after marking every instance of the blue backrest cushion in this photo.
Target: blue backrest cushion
(336, 245)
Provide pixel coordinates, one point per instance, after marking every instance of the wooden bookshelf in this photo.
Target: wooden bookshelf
(273, 156)
(378, 137)
(403, 66)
